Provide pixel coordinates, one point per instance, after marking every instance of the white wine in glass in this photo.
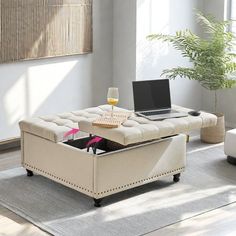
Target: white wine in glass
(112, 98)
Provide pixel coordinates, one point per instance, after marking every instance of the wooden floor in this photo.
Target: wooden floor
(220, 222)
(10, 223)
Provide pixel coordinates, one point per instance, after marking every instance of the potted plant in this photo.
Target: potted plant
(212, 63)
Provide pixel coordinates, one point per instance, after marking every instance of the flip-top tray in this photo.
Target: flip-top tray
(138, 129)
(134, 130)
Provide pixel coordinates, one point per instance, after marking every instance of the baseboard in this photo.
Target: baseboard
(10, 143)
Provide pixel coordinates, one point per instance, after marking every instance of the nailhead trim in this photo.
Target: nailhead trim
(57, 178)
(109, 190)
(140, 181)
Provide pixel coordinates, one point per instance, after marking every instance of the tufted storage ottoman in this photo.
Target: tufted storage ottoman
(229, 147)
(148, 150)
(138, 129)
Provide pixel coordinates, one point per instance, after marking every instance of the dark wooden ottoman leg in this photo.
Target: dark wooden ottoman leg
(97, 202)
(176, 178)
(29, 173)
(231, 160)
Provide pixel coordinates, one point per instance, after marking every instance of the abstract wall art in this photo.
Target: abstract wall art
(32, 29)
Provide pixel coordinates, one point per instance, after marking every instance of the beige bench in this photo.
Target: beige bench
(146, 150)
(229, 146)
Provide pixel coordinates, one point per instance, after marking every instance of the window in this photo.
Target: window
(233, 15)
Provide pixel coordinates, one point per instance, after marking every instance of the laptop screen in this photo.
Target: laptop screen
(151, 95)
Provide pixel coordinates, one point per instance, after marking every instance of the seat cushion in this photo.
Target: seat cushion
(134, 130)
(139, 129)
(53, 127)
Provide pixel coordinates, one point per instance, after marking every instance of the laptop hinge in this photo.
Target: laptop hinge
(165, 109)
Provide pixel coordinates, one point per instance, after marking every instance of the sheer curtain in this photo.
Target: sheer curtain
(233, 15)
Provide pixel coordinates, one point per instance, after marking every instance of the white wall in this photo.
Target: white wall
(124, 49)
(121, 54)
(166, 16)
(226, 97)
(102, 55)
(215, 7)
(61, 84)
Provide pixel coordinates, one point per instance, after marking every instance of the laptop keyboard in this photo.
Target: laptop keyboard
(151, 113)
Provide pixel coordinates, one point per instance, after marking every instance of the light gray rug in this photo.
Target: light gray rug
(208, 183)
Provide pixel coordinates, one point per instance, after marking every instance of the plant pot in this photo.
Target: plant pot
(214, 134)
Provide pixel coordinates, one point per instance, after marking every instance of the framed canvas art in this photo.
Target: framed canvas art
(32, 29)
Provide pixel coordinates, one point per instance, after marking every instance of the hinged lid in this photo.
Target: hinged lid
(138, 129)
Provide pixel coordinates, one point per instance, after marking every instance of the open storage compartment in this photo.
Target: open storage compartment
(82, 144)
(116, 169)
(102, 147)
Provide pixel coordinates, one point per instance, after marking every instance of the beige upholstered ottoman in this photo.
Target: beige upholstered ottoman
(147, 151)
(229, 147)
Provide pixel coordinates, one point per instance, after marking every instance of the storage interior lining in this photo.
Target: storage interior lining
(104, 145)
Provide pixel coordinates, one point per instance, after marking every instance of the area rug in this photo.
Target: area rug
(209, 182)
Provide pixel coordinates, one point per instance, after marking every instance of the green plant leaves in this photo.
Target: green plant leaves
(212, 57)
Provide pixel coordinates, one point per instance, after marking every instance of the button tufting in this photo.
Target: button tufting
(136, 129)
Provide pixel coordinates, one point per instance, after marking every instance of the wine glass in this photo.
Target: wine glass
(112, 98)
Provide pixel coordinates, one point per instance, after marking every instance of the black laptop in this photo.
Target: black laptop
(152, 100)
